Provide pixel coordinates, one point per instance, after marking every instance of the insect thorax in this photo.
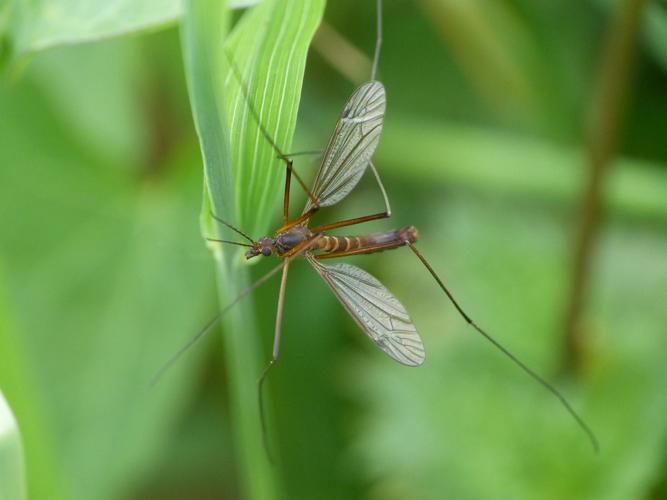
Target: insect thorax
(291, 238)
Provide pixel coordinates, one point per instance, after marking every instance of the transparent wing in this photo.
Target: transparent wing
(375, 309)
(351, 145)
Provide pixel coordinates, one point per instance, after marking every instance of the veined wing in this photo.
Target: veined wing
(351, 145)
(375, 309)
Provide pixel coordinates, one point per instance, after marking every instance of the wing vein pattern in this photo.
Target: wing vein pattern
(351, 145)
(375, 310)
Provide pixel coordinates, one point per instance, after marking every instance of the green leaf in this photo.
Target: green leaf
(203, 29)
(17, 380)
(107, 277)
(269, 45)
(42, 24)
(11, 455)
(117, 67)
(36, 25)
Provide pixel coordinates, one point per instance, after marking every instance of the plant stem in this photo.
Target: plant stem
(203, 30)
(607, 111)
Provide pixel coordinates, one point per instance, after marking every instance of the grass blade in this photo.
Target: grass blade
(43, 24)
(11, 455)
(242, 174)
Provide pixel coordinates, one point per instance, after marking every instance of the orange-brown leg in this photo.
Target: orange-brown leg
(582, 424)
(289, 164)
(288, 178)
(304, 153)
(298, 220)
(350, 222)
(359, 220)
(274, 356)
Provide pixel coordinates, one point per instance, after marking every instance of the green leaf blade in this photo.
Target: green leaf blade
(269, 46)
(242, 173)
(34, 26)
(12, 477)
(39, 25)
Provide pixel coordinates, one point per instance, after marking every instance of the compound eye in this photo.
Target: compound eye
(266, 251)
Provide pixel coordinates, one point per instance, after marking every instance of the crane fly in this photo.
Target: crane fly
(376, 311)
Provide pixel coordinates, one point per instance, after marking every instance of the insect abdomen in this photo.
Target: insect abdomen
(380, 241)
(340, 243)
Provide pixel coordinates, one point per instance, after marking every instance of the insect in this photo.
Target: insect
(374, 308)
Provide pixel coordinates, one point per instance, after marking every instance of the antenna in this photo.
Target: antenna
(238, 231)
(230, 242)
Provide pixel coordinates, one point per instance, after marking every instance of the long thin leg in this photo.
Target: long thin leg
(359, 220)
(288, 178)
(535, 376)
(274, 357)
(385, 198)
(350, 222)
(207, 328)
(262, 129)
(303, 153)
(290, 166)
(302, 218)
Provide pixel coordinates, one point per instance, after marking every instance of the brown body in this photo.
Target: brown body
(299, 237)
(372, 243)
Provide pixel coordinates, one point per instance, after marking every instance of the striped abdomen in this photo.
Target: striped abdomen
(368, 244)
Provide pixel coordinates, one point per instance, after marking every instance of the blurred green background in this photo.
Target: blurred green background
(497, 111)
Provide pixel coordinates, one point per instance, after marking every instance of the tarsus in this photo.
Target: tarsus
(262, 411)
